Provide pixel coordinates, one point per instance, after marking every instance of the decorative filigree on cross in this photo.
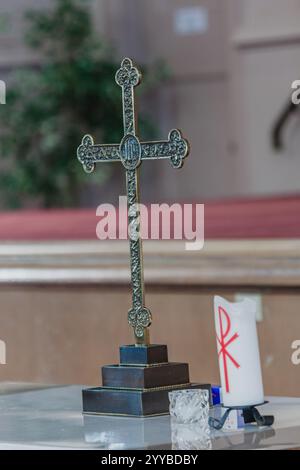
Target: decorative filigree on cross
(131, 152)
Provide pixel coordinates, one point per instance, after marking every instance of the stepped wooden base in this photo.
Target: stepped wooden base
(145, 377)
(112, 401)
(133, 388)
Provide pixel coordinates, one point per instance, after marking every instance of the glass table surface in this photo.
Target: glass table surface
(51, 418)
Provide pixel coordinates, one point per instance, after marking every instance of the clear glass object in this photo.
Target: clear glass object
(189, 406)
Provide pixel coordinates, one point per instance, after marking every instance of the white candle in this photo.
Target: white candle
(238, 352)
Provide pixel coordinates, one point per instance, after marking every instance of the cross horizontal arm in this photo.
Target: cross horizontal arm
(89, 154)
(176, 148)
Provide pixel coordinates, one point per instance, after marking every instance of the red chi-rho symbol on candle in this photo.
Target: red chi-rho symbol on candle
(225, 327)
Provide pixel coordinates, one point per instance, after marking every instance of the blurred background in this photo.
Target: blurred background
(222, 72)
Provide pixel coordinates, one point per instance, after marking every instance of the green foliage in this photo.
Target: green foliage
(49, 108)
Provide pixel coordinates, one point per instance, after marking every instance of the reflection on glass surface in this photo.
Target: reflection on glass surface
(114, 432)
(190, 436)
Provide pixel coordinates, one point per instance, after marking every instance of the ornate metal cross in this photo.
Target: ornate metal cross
(130, 152)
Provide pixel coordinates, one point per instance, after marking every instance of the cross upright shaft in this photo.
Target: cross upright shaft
(131, 152)
(139, 317)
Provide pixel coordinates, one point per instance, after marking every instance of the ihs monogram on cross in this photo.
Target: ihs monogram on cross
(130, 152)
